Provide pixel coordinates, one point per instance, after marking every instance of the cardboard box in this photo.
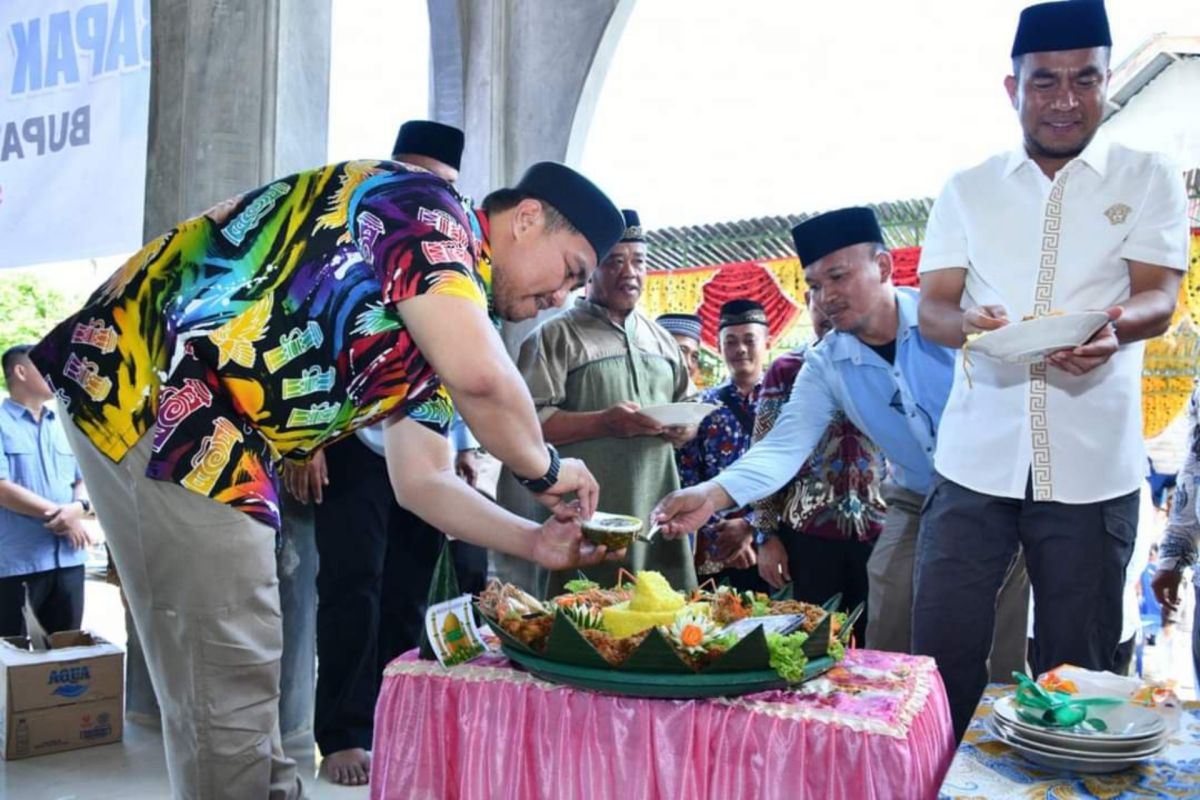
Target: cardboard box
(64, 698)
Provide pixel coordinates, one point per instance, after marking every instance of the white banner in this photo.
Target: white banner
(75, 78)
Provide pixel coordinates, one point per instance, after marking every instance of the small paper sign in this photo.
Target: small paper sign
(451, 629)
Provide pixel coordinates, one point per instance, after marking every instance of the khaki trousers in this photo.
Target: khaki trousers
(890, 598)
(201, 584)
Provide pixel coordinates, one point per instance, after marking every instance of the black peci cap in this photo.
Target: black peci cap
(741, 312)
(821, 235)
(1064, 25)
(577, 199)
(433, 139)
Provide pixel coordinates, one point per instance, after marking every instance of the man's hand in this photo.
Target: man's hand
(744, 558)
(984, 318)
(66, 521)
(684, 511)
(732, 536)
(307, 482)
(573, 478)
(60, 518)
(1166, 590)
(466, 466)
(624, 420)
(679, 435)
(773, 563)
(561, 544)
(1092, 353)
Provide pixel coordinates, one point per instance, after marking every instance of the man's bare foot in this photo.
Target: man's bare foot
(350, 767)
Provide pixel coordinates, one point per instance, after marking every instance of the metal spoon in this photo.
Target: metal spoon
(649, 535)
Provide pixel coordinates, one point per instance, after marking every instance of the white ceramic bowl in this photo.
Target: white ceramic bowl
(1033, 340)
(681, 414)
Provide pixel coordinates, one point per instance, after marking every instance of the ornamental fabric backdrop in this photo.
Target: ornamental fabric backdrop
(1170, 365)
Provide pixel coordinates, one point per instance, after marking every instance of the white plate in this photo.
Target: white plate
(1045, 743)
(1094, 766)
(1033, 340)
(684, 414)
(1125, 722)
(1093, 747)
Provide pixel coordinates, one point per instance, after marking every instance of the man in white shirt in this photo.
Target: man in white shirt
(1045, 456)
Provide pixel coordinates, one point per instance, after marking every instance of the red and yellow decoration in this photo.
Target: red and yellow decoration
(1171, 364)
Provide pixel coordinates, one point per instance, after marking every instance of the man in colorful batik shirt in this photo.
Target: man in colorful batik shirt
(267, 328)
(376, 558)
(589, 370)
(725, 544)
(818, 531)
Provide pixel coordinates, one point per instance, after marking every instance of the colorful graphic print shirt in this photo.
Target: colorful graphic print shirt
(836, 494)
(723, 436)
(267, 327)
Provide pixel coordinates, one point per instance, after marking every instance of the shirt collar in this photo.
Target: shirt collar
(16, 410)
(597, 310)
(1095, 155)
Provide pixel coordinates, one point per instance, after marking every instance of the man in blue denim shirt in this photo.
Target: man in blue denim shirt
(878, 370)
(42, 542)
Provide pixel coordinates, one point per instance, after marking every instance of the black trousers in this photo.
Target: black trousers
(56, 596)
(1075, 556)
(821, 568)
(376, 563)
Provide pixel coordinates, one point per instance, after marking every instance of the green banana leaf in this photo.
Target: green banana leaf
(443, 587)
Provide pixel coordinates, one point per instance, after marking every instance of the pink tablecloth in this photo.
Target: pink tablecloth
(876, 727)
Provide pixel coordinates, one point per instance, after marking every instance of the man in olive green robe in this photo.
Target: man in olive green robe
(589, 370)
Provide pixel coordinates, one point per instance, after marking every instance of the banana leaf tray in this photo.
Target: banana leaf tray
(654, 669)
(661, 684)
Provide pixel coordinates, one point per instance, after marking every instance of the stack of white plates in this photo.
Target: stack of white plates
(1133, 734)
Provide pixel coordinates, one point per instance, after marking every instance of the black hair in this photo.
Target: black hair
(505, 199)
(12, 356)
(1016, 62)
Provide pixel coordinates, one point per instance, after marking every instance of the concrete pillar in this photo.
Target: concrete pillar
(522, 79)
(239, 95)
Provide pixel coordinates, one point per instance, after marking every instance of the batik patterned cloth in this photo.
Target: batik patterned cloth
(986, 767)
(836, 494)
(267, 327)
(721, 439)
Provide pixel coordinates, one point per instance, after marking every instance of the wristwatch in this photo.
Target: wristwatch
(539, 485)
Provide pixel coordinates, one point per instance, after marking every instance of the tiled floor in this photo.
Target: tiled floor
(132, 769)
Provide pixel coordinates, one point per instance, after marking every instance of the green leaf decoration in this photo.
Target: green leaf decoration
(747, 655)
(817, 644)
(833, 603)
(443, 587)
(655, 654)
(567, 645)
(786, 593)
(848, 626)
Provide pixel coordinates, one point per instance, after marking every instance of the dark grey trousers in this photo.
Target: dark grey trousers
(1075, 555)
